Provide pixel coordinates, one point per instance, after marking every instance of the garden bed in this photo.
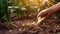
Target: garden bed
(49, 26)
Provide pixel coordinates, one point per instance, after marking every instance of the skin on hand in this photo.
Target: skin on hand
(47, 12)
(42, 16)
(42, 13)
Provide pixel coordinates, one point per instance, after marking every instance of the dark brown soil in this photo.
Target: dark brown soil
(49, 26)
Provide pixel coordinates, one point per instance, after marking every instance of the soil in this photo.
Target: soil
(23, 26)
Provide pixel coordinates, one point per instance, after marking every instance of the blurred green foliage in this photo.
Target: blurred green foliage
(23, 7)
(4, 10)
(32, 5)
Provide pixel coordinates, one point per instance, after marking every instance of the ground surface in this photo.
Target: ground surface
(49, 26)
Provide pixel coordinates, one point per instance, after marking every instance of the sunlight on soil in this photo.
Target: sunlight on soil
(29, 26)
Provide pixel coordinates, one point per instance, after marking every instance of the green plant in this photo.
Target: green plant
(4, 10)
(30, 5)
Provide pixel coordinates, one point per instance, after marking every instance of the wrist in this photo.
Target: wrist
(56, 7)
(58, 4)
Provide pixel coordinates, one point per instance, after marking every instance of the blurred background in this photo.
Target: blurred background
(24, 8)
(20, 17)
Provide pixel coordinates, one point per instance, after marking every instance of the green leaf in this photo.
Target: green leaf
(5, 10)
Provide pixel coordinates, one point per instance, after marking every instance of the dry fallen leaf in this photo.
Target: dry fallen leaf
(20, 29)
(10, 30)
(23, 24)
(28, 24)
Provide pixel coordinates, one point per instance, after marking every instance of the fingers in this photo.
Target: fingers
(42, 16)
(40, 20)
(42, 13)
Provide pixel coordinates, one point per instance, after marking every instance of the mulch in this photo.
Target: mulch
(23, 26)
